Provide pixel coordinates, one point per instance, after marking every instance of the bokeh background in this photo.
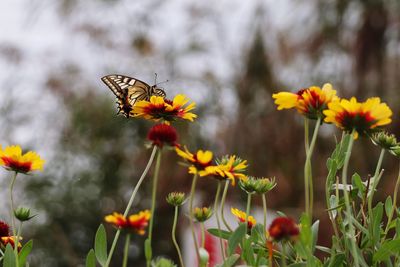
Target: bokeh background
(228, 56)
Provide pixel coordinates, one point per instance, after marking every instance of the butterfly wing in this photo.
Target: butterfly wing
(127, 90)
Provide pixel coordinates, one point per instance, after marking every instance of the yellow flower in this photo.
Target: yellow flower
(12, 159)
(229, 167)
(199, 161)
(160, 108)
(362, 117)
(202, 214)
(136, 222)
(310, 102)
(241, 216)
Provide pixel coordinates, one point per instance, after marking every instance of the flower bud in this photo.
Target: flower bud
(204, 257)
(248, 184)
(384, 140)
(176, 198)
(202, 214)
(23, 214)
(263, 185)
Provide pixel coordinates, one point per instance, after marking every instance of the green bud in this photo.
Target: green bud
(202, 214)
(176, 198)
(384, 140)
(23, 214)
(263, 185)
(204, 257)
(248, 184)
(162, 262)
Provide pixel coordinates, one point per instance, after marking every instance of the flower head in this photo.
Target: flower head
(310, 102)
(136, 222)
(229, 167)
(4, 229)
(385, 140)
(202, 214)
(161, 134)
(23, 214)
(5, 240)
(176, 198)
(363, 118)
(158, 108)
(241, 216)
(283, 228)
(198, 162)
(12, 159)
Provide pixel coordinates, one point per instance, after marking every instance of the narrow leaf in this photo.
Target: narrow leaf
(236, 237)
(23, 254)
(100, 245)
(386, 250)
(231, 260)
(215, 232)
(91, 259)
(9, 257)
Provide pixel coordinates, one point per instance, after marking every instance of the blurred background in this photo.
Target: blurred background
(228, 56)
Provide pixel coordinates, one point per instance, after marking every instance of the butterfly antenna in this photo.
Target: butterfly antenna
(155, 78)
(162, 82)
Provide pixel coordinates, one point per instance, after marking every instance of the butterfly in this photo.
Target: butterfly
(130, 90)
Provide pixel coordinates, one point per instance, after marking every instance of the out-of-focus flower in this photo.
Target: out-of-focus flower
(136, 222)
(199, 161)
(229, 167)
(176, 198)
(385, 140)
(23, 214)
(310, 102)
(241, 216)
(5, 240)
(283, 228)
(4, 229)
(263, 185)
(159, 108)
(362, 117)
(11, 158)
(162, 134)
(202, 214)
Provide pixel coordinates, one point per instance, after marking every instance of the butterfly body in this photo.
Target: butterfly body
(129, 90)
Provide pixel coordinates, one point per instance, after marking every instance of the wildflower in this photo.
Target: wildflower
(4, 229)
(310, 102)
(363, 117)
(160, 108)
(5, 240)
(229, 167)
(241, 216)
(202, 214)
(199, 161)
(385, 140)
(161, 134)
(283, 228)
(136, 222)
(11, 158)
(176, 198)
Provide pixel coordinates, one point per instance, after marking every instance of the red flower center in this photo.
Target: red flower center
(17, 165)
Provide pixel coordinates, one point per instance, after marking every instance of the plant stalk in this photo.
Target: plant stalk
(126, 251)
(178, 250)
(224, 193)
(217, 218)
(191, 216)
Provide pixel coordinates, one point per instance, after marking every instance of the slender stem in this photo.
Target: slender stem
(224, 193)
(126, 250)
(306, 181)
(146, 170)
(191, 216)
(248, 209)
(283, 255)
(264, 202)
(375, 182)
(174, 236)
(153, 202)
(15, 235)
(217, 218)
(347, 200)
(203, 235)
(394, 206)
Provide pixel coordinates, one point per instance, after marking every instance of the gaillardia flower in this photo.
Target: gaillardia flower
(363, 118)
(162, 134)
(202, 214)
(159, 108)
(283, 228)
(229, 167)
(4, 229)
(11, 158)
(199, 161)
(176, 198)
(310, 102)
(241, 216)
(385, 140)
(5, 240)
(136, 222)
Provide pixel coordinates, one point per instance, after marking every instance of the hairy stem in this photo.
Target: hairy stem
(217, 218)
(174, 236)
(224, 193)
(191, 216)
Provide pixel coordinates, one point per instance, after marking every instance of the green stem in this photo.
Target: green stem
(191, 216)
(217, 218)
(283, 255)
(264, 202)
(14, 230)
(394, 206)
(248, 204)
(126, 250)
(347, 200)
(306, 181)
(203, 235)
(224, 193)
(174, 236)
(146, 170)
(375, 182)
(153, 203)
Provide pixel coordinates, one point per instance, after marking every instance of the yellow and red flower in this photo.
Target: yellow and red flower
(310, 102)
(283, 228)
(161, 134)
(159, 108)
(241, 216)
(199, 161)
(5, 240)
(362, 117)
(229, 167)
(11, 158)
(136, 222)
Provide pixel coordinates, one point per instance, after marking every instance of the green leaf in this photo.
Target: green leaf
(357, 183)
(258, 234)
(148, 253)
(91, 259)
(236, 237)
(100, 245)
(337, 260)
(231, 260)
(9, 257)
(388, 205)
(23, 254)
(216, 232)
(386, 250)
(314, 229)
(299, 264)
(377, 214)
(248, 252)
